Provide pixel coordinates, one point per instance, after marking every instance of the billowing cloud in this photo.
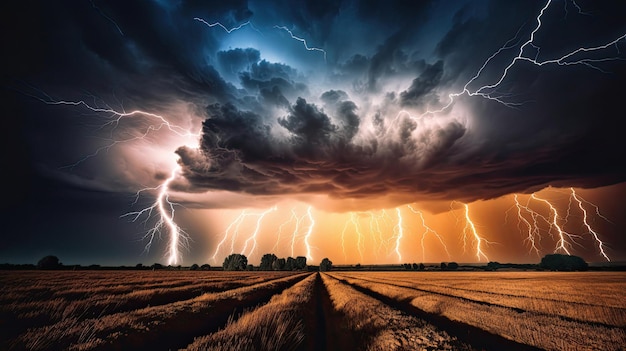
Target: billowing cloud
(277, 119)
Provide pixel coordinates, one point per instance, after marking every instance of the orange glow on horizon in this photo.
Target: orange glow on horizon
(295, 228)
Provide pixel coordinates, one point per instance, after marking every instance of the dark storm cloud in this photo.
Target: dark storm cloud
(419, 90)
(236, 60)
(487, 150)
(337, 127)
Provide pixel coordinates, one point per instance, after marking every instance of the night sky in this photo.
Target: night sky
(329, 117)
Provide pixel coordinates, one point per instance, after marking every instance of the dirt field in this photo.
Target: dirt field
(211, 310)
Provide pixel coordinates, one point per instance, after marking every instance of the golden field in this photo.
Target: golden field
(337, 310)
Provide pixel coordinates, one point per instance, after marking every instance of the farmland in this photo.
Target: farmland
(214, 310)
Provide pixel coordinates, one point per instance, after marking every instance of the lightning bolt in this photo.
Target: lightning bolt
(489, 91)
(308, 234)
(106, 17)
(589, 228)
(399, 231)
(562, 242)
(254, 234)
(280, 231)
(222, 26)
(236, 223)
(163, 206)
(303, 41)
(359, 243)
(533, 233)
(556, 222)
(296, 230)
(471, 228)
(166, 210)
(427, 230)
(115, 118)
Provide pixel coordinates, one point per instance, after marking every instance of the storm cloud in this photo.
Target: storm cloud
(278, 119)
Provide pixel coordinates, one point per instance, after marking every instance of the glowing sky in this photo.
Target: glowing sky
(363, 131)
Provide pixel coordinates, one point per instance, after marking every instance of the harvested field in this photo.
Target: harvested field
(214, 310)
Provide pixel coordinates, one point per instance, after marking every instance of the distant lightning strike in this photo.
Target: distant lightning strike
(166, 210)
(471, 228)
(533, 233)
(556, 223)
(222, 26)
(280, 230)
(399, 230)
(359, 243)
(562, 242)
(489, 91)
(254, 234)
(303, 41)
(163, 206)
(586, 223)
(117, 117)
(427, 230)
(309, 233)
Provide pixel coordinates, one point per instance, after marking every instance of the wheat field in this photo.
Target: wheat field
(337, 310)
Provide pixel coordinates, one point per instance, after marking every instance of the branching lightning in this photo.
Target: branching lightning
(555, 222)
(309, 233)
(427, 230)
(490, 91)
(586, 223)
(303, 41)
(218, 24)
(399, 233)
(254, 234)
(162, 206)
(166, 210)
(470, 228)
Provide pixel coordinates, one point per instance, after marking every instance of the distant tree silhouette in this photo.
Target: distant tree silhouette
(301, 263)
(194, 267)
(235, 262)
(290, 265)
(249, 267)
(279, 264)
(443, 266)
(326, 265)
(452, 266)
(205, 267)
(422, 267)
(49, 262)
(415, 266)
(267, 262)
(139, 266)
(558, 262)
(156, 266)
(493, 266)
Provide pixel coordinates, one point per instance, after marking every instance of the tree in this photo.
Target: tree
(279, 264)
(453, 266)
(235, 262)
(205, 267)
(157, 266)
(290, 265)
(267, 262)
(301, 263)
(49, 262)
(444, 266)
(194, 267)
(422, 267)
(493, 266)
(558, 262)
(326, 265)
(415, 266)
